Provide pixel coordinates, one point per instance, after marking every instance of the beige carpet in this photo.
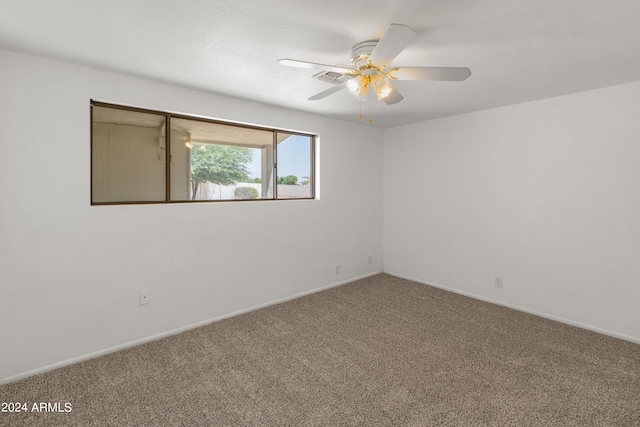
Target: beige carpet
(379, 351)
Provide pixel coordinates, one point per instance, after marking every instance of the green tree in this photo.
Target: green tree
(218, 164)
(288, 180)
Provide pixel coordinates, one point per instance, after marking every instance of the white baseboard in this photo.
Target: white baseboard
(520, 308)
(144, 340)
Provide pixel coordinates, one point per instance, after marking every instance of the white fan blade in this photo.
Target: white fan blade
(393, 42)
(452, 74)
(313, 65)
(328, 92)
(394, 97)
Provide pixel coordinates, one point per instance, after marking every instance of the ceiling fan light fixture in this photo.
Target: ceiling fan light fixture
(381, 86)
(359, 87)
(353, 86)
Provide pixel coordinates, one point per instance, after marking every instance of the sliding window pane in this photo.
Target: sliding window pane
(294, 166)
(128, 156)
(213, 161)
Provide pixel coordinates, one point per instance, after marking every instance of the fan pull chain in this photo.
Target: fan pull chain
(360, 115)
(369, 118)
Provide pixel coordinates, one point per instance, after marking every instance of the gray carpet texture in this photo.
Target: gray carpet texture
(381, 351)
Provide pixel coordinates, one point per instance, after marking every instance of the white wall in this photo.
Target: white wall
(70, 273)
(545, 194)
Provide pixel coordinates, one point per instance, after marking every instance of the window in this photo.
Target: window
(294, 176)
(127, 156)
(142, 156)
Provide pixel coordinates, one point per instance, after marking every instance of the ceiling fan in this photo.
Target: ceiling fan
(371, 69)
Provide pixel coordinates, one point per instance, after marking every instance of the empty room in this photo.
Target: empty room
(218, 213)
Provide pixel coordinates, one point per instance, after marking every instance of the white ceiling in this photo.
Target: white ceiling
(518, 50)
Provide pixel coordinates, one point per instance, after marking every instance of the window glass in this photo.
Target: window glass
(128, 156)
(294, 166)
(212, 161)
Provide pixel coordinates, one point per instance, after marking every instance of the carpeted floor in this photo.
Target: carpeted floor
(379, 351)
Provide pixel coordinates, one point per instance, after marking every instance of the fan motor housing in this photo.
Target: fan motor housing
(360, 52)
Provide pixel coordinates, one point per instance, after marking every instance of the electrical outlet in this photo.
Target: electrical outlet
(370, 259)
(338, 269)
(497, 281)
(144, 297)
